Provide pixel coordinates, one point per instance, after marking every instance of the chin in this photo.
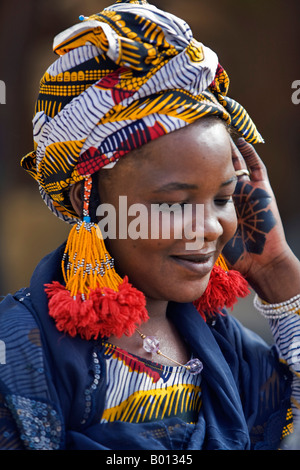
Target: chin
(190, 293)
(176, 290)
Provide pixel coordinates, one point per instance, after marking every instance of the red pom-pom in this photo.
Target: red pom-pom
(104, 313)
(223, 290)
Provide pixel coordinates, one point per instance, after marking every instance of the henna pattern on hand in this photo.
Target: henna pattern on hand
(255, 221)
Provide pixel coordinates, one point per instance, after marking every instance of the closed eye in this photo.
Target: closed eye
(223, 201)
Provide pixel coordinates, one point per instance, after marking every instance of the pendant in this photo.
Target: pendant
(195, 366)
(151, 345)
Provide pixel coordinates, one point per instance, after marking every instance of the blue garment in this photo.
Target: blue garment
(52, 386)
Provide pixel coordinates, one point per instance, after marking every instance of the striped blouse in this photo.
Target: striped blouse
(286, 332)
(146, 391)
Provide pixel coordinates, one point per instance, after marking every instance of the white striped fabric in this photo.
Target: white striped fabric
(286, 332)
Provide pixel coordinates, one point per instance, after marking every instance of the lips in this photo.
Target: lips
(200, 263)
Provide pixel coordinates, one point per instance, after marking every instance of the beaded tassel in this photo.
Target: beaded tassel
(95, 300)
(222, 263)
(86, 263)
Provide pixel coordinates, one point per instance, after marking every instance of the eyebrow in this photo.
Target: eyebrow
(231, 180)
(175, 186)
(178, 186)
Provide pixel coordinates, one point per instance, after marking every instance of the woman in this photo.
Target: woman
(125, 343)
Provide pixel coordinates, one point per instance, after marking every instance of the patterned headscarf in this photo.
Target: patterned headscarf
(124, 77)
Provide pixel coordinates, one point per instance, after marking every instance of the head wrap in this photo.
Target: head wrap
(124, 77)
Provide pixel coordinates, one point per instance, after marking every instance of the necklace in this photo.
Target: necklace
(151, 345)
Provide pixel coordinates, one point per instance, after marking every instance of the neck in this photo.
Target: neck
(160, 326)
(156, 308)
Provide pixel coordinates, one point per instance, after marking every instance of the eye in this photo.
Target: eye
(223, 201)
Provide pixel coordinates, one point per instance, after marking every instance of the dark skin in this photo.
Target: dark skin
(203, 157)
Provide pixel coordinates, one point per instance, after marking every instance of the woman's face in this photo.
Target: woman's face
(191, 166)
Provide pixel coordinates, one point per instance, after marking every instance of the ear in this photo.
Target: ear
(75, 195)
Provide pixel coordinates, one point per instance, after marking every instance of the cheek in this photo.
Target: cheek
(145, 264)
(165, 224)
(135, 258)
(229, 224)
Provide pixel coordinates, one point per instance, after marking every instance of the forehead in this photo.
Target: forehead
(206, 141)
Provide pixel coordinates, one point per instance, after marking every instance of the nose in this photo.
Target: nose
(201, 225)
(212, 227)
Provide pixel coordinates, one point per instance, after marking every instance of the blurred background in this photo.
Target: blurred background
(257, 42)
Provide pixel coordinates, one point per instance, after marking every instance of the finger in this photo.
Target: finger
(239, 163)
(252, 160)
